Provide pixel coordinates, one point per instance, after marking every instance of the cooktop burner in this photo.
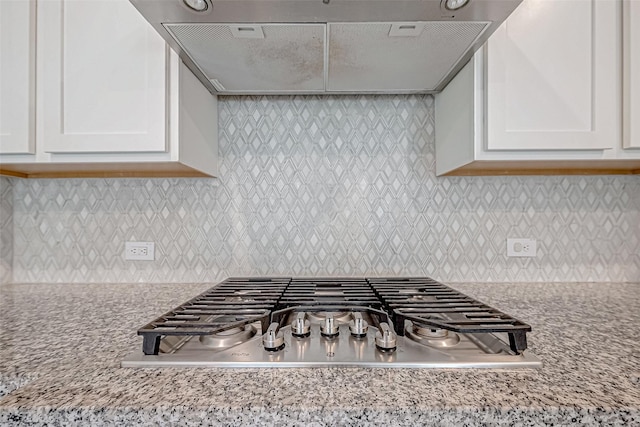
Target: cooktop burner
(296, 322)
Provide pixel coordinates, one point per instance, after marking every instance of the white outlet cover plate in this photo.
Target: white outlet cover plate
(139, 251)
(522, 248)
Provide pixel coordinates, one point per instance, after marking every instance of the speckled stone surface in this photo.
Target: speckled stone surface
(61, 344)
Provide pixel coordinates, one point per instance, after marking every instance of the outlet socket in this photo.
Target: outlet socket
(521, 248)
(139, 251)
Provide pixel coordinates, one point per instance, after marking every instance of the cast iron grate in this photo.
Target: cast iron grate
(308, 293)
(237, 302)
(230, 304)
(428, 302)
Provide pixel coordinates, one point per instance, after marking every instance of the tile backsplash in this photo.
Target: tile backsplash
(323, 186)
(6, 230)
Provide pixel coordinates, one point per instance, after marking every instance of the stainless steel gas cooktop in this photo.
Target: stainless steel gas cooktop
(311, 322)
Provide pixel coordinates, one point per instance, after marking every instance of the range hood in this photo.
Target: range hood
(325, 46)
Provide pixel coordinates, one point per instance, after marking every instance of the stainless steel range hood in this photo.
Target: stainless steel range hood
(325, 46)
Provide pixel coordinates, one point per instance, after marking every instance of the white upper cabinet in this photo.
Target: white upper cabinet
(544, 96)
(552, 74)
(17, 76)
(110, 99)
(631, 88)
(101, 78)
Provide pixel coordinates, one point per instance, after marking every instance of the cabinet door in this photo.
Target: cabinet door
(101, 78)
(631, 92)
(17, 76)
(553, 77)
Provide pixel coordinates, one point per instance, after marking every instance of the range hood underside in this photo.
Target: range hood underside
(309, 47)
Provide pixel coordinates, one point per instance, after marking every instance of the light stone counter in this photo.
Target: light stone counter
(61, 345)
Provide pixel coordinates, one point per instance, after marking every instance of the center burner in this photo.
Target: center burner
(313, 322)
(321, 316)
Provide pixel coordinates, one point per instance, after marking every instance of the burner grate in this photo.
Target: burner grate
(428, 302)
(233, 303)
(237, 302)
(312, 292)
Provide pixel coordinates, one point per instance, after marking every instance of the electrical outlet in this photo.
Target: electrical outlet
(139, 251)
(521, 247)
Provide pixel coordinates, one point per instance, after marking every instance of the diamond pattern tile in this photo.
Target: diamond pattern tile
(323, 186)
(6, 230)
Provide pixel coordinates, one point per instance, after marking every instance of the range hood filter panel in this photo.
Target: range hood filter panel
(365, 57)
(290, 57)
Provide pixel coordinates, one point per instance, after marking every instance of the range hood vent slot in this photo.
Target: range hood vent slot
(406, 30)
(247, 31)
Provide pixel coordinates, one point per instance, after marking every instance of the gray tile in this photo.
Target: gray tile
(331, 186)
(6, 230)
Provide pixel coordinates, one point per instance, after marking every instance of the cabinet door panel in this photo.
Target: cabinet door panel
(102, 78)
(631, 90)
(553, 77)
(17, 76)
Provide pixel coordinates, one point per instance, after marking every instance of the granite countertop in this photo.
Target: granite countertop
(61, 345)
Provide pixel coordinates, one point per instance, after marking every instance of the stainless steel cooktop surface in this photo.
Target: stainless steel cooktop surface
(319, 322)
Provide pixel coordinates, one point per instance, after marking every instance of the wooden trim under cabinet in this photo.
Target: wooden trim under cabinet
(556, 167)
(97, 170)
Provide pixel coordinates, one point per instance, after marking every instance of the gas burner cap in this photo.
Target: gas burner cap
(430, 331)
(320, 316)
(432, 336)
(228, 338)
